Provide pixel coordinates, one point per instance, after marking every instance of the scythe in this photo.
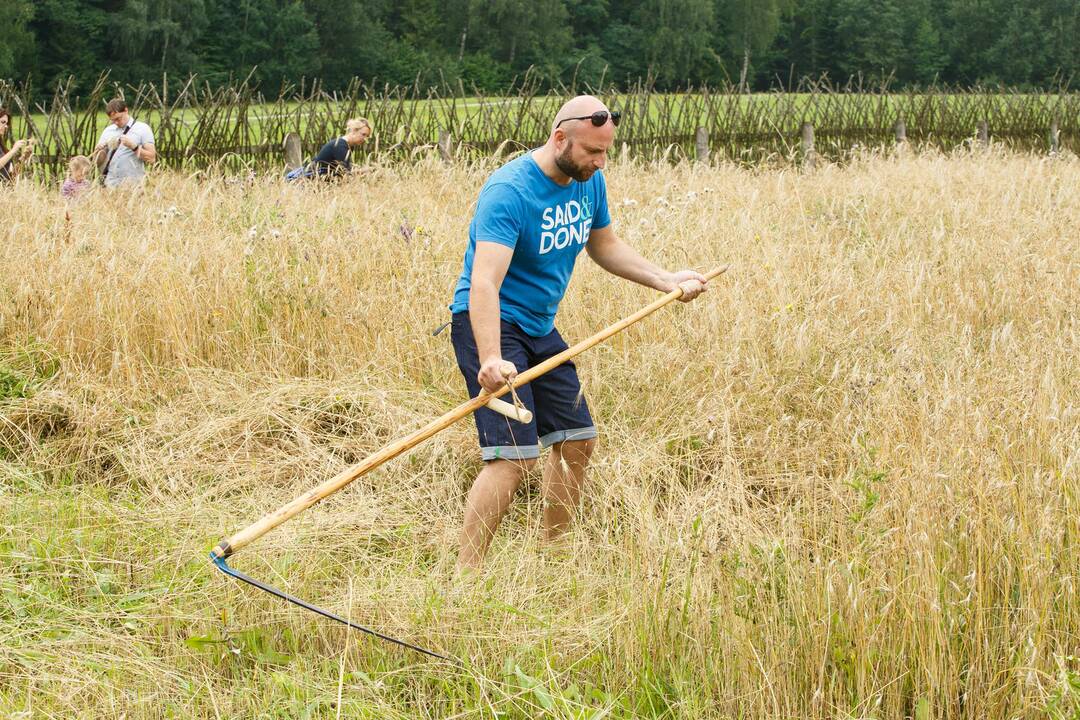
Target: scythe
(232, 544)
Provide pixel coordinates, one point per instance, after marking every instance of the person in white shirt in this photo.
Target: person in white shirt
(126, 146)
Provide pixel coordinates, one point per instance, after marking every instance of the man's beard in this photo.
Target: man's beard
(569, 168)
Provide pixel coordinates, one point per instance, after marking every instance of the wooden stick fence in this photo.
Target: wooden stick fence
(235, 128)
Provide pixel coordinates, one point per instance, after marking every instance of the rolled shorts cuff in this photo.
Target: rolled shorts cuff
(510, 452)
(585, 433)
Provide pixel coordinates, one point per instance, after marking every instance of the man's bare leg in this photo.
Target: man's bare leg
(564, 478)
(488, 500)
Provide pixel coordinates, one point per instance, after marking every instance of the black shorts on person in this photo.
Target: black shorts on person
(559, 409)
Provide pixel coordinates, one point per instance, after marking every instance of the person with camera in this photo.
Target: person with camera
(126, 147)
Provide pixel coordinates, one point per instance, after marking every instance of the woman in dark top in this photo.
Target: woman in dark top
(8, 155)
(333, 160)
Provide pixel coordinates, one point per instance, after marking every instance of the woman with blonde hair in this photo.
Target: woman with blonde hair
(333, 159)
(77, 181)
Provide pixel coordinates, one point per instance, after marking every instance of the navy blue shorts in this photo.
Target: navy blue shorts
(559, 409)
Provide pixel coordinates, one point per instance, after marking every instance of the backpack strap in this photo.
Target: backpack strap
(105, 172)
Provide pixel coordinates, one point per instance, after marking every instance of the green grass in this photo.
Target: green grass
(120, 587)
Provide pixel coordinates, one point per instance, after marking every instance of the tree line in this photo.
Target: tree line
(486, 44)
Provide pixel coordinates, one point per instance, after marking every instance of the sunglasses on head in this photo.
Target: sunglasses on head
(598, 118)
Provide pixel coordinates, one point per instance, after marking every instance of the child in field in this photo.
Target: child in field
(78, 178)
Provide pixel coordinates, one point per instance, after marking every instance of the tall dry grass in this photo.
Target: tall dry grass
(844, 483)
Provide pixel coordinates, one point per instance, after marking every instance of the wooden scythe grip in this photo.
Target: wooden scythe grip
(328, 487)
(510, 410)
(521, 414)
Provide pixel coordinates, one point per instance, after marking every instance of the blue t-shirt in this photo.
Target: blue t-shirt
(547, 225)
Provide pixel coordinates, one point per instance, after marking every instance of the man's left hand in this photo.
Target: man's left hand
(692, 282)
(129, 142)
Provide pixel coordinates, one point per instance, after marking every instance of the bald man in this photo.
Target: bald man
(533, 217)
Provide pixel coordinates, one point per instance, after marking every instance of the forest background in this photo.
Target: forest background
(757, 45)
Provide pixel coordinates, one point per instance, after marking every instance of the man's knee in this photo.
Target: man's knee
(576, 451)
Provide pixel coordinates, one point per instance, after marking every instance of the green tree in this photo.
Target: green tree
(420, 24)
(587, 63)
(809, 42)
(927, 57)
(275, 37)
(18, 46)
(678, 39)
(161, 34)
(969, 29)
(751, 26)
(524, 33)
(588, 18)
(487, 42)
(1060, 30)
(1019, 55)
(352, 40)
(69, 39)
(873, 34)
(621, 43)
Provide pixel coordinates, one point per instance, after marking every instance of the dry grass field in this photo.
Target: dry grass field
(844, 483)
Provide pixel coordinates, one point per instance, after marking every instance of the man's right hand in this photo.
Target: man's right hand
(494, 372)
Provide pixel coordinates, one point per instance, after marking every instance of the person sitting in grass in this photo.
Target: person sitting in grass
(533, 218)
(333, 159)
(10, 158)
